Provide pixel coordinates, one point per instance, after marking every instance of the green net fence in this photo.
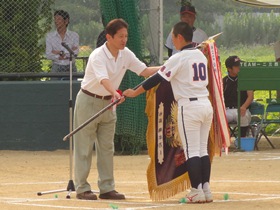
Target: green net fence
(132, 122)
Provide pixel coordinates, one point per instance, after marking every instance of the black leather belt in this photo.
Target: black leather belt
(96, 96)
(193, 99)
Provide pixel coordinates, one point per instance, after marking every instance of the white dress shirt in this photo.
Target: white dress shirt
(53, 42)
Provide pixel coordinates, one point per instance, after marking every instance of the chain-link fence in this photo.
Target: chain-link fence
(23, 24)
(26, 27)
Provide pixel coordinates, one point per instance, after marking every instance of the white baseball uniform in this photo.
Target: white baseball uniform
(188, 75)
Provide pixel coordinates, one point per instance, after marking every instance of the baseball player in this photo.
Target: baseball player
(230, 96)
(187, 73)
(188, 15)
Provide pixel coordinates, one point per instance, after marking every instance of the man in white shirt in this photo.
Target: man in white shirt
(105, 70)
(188, 15)
(54, 50)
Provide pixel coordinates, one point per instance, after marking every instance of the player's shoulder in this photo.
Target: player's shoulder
(191, 54)
(191, 51)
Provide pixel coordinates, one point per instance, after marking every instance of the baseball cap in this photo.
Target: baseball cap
(187, 9)
(232, 61)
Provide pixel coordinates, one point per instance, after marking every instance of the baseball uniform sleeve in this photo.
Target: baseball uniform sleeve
(170, 67)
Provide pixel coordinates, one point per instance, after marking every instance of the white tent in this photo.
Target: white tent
(261, 3)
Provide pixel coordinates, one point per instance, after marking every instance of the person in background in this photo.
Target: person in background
(188, 15)
(55, 51)
(188, 74)
(104, 72)
(230, 96)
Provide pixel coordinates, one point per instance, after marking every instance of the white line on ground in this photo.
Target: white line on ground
(247, 181)
(31, 183)
(46, 183)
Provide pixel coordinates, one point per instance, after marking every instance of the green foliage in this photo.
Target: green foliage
(240, 24)
(250, 28)
(88, 32)
(85, 19)
(246, 25)
(23, 24)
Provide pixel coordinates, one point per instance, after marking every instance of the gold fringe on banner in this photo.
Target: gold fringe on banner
(164, 191)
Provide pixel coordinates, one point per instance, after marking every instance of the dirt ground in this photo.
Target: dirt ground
(250, 179)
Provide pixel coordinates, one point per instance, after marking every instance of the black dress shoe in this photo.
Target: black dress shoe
(112, 195)
(88, 195)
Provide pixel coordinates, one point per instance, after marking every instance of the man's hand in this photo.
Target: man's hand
(118, 95)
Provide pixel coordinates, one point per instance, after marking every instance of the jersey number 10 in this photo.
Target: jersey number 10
(199, 72)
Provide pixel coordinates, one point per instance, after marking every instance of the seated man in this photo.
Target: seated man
(230, 96)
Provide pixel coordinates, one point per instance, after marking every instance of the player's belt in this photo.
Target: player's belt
(96, 96)
(193, 99)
